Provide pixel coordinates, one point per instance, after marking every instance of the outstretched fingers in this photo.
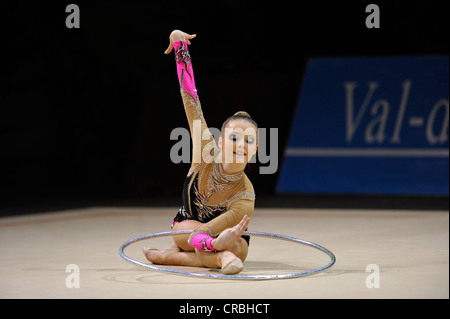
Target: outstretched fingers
(230, 235)
(242, 226)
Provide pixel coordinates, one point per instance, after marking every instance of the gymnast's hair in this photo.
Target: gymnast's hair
(241, 115)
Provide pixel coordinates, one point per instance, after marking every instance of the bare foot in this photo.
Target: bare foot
(156, 256)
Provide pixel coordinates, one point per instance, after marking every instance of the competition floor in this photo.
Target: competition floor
(410, 249)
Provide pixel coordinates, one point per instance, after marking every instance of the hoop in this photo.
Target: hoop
(221, 276)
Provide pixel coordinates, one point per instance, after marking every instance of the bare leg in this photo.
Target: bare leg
(226, 260)
(233, 250)
(173, 257)
(230, 239)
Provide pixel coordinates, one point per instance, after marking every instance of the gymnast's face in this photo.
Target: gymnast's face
(238, 142)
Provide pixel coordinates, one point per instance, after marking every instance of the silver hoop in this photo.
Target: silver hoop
(221, 276)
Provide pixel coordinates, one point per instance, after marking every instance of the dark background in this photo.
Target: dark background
(86, 114)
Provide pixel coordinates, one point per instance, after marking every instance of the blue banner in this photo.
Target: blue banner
(370, 126)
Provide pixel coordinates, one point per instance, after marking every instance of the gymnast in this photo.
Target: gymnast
(218, 198)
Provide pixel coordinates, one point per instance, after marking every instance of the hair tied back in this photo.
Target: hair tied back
(242, 114)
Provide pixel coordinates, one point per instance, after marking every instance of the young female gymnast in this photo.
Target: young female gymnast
(218, 197)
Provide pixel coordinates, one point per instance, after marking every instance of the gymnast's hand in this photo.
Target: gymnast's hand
(178, 35)
(230, 235)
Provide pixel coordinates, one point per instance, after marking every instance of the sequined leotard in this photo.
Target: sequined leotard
(210, 196)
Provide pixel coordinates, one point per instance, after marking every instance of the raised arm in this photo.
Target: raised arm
(179, 42)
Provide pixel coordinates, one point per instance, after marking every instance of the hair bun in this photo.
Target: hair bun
(243, 114)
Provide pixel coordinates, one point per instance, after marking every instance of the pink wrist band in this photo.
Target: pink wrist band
(184, 68)
(202, 241)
